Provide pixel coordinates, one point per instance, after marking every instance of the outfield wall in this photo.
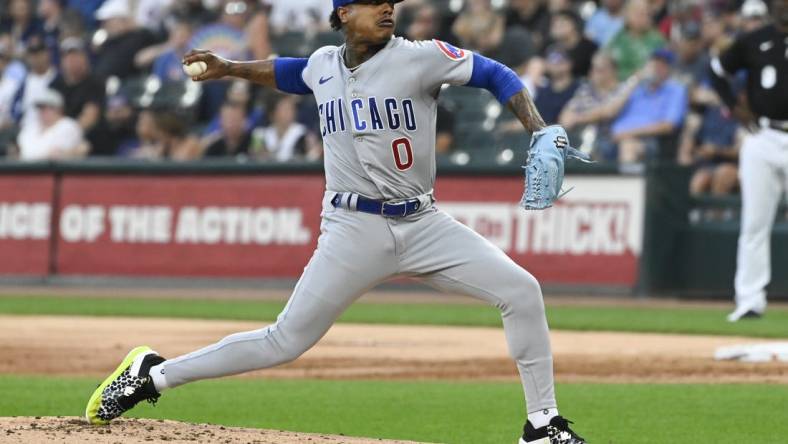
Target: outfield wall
(225, 220)
(265, 224)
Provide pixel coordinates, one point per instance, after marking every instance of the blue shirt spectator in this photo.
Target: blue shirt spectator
(649, 105)
(168, 67)
(168, 55)
(605, 22)
(655, 110)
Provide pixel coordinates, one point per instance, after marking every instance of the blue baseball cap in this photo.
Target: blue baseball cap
(665, 55)
(338, 3)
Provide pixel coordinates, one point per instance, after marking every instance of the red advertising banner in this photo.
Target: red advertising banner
(593, 235)
(267, 226)
(252, 226)
(25, 220)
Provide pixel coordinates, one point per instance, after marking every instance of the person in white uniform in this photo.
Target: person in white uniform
(763, 170)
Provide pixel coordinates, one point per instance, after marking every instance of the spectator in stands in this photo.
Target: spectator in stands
(115, 56)
(754, 15)
(257, 32)
(716, 37)
(172, 138)
(425, 24)
(82, 91)
(143, 144)
(711, 145)
(606, 22)
(692, 66)
(532, 74)
(444, 129)
(233, 38)
(532, 15)
(233, 138)
(12, 75)
(655, 111)
(594, 105)
(166, 57)
(21, 25)
(285, 139)
(227, 37)
(551, 97)
(87, 11)
(633, 44)
(41, 73)
(481, 28)
(565, 32)
(194, 10)
(692, 58)
(51, 14)
(118, 129)
(153, 14)
(306, 16)
(52, 135)
(240, 93)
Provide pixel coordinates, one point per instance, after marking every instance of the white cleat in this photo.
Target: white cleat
(744, 313)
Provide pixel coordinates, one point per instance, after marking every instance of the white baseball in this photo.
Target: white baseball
(195, 69)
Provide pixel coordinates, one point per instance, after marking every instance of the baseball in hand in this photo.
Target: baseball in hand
(195, 69)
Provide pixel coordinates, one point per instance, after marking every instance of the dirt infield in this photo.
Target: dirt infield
(89, 346)
(70, 430)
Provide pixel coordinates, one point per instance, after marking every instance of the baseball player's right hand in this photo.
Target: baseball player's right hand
(218, 67)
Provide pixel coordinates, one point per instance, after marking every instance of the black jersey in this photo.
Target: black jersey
(764, 54)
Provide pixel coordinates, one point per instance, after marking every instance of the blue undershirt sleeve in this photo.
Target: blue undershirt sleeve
(288, 74)
(495, 77)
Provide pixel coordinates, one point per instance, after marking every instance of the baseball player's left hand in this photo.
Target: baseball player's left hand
(544, 168)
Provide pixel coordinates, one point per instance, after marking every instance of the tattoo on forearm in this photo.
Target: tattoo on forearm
(524, 108)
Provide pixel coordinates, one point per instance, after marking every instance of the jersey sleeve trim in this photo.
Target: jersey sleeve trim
(495, 77)
(452, 52)
(288, 73)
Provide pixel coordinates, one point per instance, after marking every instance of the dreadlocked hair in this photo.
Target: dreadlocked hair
(336, 23)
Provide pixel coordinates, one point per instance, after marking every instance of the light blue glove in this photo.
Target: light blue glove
(544, 167)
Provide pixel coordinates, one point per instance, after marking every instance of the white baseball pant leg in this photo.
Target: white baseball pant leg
(763, 173)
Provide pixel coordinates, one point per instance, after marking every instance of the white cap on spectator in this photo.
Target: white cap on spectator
(72, 44)
(754, 8)
(49, 97)
(113, 9)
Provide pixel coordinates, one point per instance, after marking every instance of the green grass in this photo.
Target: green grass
(466, 412)
(635, 319)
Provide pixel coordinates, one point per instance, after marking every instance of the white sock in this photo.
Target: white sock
(159, 380)
(541, 418)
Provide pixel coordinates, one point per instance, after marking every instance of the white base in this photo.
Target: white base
(763, 352)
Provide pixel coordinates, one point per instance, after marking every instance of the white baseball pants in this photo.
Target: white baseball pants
(763, 173)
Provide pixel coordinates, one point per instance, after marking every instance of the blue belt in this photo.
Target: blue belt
(388, 209)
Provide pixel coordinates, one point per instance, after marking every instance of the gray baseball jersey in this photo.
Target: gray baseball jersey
(378, 121)
(378, 125)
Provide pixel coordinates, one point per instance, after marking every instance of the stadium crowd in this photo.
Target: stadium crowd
(627, 78)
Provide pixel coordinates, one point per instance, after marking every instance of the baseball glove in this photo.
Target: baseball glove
(544, 167)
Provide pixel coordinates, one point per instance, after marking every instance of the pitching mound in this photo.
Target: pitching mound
(73, 430)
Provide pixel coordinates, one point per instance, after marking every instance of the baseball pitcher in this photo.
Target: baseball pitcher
(376, 98)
